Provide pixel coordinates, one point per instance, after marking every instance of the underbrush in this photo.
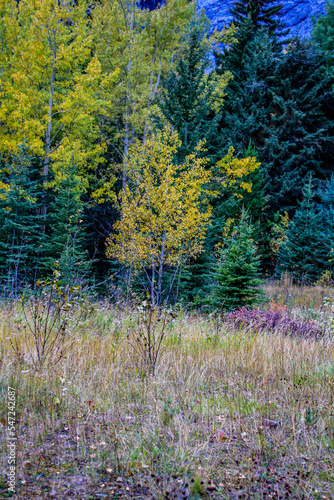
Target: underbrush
(275, 319)
(306, 298)
(231, 412)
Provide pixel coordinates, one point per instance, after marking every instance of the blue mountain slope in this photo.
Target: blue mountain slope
(297, 13)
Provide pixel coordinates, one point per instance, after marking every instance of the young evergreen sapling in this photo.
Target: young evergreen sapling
(238, 274)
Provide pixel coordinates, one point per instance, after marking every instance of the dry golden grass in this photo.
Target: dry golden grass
(229, 414)
(306, 298)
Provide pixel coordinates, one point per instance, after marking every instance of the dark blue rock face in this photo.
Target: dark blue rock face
(297, 13)
(150, 4)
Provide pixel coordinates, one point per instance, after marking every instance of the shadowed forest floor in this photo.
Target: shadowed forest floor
(230, 413)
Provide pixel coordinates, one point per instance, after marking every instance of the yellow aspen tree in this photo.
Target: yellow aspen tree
(51, 84)
(22, 114)
(165, 211)
(139, 44)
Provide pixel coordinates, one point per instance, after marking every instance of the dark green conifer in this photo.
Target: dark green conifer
(252, 61)
(283, 103)
(323, 28)
(246, 118)
(21, 234)
(250, 17)
(66, 240)
(301, 131)
(238, 274)
(303, 255)
(326, 215)
(187, 96)
(262, 13)
(246, 111)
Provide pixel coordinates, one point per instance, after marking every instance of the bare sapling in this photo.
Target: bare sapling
(146, 336)
(48, 320)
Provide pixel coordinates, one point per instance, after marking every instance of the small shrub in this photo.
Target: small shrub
(49, 320)
(274, 319)
(148, 333)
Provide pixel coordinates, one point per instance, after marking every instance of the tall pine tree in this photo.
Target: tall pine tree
(323, 30)
(262, 13)
(252, 61)
(246, 122)
(250, 17)
(281, 102)
(21, 235)
(66, 239)
(246, 115)
(189, 95)
(246, 111)
(304, 253)
(301, 131)
(326, 212)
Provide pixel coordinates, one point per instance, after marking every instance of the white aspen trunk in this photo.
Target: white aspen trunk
(126, 151)
(48, 131)
(127, 115)
(49, 127)
(161, 268)
(152, 283)
(151, 99)
(162, 253)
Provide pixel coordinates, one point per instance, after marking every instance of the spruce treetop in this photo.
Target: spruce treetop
(262, 13)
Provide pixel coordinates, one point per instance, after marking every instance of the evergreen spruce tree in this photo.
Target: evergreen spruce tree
(283, 103)
(323, 29)
(301, 132)
(66, 239)
(21, 234)
(246, 112)
(326, 215)
(238, 275)
(252, 61)
(262, 13)
(245, 125)
(246, 115)
(250, 17)
(255, 203)
(186, 102)
(304, 255)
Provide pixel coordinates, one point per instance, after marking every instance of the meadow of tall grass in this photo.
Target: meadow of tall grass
(230, 412)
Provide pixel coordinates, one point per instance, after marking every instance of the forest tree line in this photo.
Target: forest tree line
(150, 156)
